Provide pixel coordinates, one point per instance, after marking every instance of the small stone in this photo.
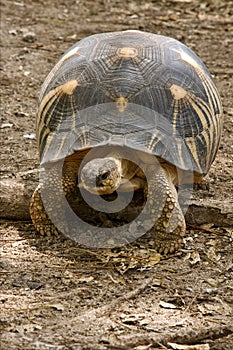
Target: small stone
(29, 37)
(21, 114)
(6, 125)
(167, 305)
(3, 264)
(35, 285)
(29, 136)
(18, 282)
(211, 290)
(134, 16)
(13, 32)
(21, 4)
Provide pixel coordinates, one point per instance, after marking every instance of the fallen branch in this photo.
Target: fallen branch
(194, 336)
(186, 336)
(15, 194)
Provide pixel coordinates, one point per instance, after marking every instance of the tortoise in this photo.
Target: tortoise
(181, 127)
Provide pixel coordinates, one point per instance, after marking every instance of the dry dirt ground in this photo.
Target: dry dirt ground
(55, 295)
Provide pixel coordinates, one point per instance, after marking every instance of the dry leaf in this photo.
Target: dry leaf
(212, 256)
(193, 257)
(154, 259)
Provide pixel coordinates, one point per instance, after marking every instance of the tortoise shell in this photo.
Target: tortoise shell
(140, 90)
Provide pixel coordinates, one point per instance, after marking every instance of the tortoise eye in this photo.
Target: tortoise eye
(101, 177)
(104, 176)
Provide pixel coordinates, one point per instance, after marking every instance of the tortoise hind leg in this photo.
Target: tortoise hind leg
(49, 190)
(170, 226)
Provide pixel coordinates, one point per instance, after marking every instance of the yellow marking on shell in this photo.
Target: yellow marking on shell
(127, 52)
(178, 92)
(45, 134)
(56, 68)
(179, 147)
(54, 95)
(213, 95)
(83, 130)
(190, 143)
(46, 103)
(121, 103)
(69, 87)
(202, 110)
(193, 150)
(208, 140)
(185, 57)
(70, 53)
(48, 143)
(154, 140)
(210, 89)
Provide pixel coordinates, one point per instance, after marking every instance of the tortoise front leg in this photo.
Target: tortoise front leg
(50, 185)
(170, 226)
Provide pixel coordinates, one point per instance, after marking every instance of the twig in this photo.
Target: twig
(190, 336)
(102, 310)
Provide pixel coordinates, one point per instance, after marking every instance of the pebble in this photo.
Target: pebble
(211, 290)
(35, 285)
(29, 37)
(13, 32)
(134, 16)
(29, 136)
(4, 264)
(6, 125)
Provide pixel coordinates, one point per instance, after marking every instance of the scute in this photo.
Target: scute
(141, 90)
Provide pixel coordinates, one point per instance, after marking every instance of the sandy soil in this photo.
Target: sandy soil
(55, 295)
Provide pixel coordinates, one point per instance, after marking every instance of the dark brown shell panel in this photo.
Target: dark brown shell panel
(135, 89)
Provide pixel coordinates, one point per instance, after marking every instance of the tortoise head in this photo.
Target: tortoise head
(101, 175)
